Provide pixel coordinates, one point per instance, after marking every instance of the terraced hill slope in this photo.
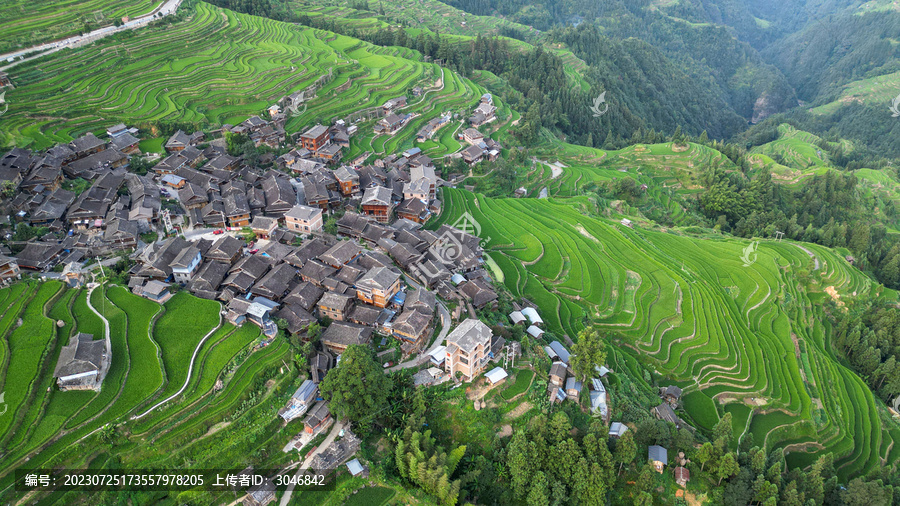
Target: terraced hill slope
(417, 14)
(150, 359)
(795, 154)
(741, 331)
(877, 91)
(24, 24)
(221, 67)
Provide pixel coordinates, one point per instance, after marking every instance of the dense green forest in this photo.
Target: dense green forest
(870, 338)
(750, 59)
(836, 50)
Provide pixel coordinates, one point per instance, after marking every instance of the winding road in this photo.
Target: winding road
(166, 8)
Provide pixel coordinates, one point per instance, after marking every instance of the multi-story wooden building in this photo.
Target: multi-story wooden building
(378, 286)
(377, 202)
(315, 138)
(348, 180)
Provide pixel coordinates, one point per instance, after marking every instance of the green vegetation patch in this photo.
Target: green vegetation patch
(186, 321)
(523, 379)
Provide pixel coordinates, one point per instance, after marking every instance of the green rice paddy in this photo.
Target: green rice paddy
(690, 309)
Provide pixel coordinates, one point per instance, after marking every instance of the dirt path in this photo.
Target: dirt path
(335, 430)
(520, 410)
(811, 255)
(556, 168)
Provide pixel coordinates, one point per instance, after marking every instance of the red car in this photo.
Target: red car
(254, 251)
(218, 231)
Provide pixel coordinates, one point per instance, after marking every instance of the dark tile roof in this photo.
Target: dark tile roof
(225, 248)
(364, 314)
(421, 300)
(236, 204)
(209, 277)
(83, 354)
(378, 278)
(335, 300)
(254, 265)
(274, 284)
(316, 271)
(412, 322)
(378, 195)
(309, 249)
(342, 334)
(297, 317)
(305, 295)
(86, 142)
(341, 253)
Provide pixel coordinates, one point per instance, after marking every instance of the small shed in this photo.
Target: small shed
(617, 429)
(517, 317)
(355, 467)
(550, 353)
(658, 456)
(561, 351)
(156, 291)
(573, 388)
(598, 403)
(438, 355)
(173, 181)
(534, 331)
(558, 373)
(560, 395)
(672, 393)
(496, 375)
(532, 315)
(682, 476)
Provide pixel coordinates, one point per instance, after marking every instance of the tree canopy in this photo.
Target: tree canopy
(357, 389)
(589, 351)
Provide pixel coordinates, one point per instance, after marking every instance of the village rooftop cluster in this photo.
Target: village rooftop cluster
(255, 239)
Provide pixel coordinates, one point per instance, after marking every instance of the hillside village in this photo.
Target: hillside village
(310, 240)
(450, 252)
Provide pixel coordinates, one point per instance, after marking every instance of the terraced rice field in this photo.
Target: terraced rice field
(27, 344)
(883, 188)
(218, 66)
(796, 152)
(24, 24)
(428, 14)
(688, 308)
(186, 321)
(136, 79)
(43, 424)
(666, 166)
(221, 67)
(878, 91)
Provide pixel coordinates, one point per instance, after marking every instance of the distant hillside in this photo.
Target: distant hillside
(837, 50)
